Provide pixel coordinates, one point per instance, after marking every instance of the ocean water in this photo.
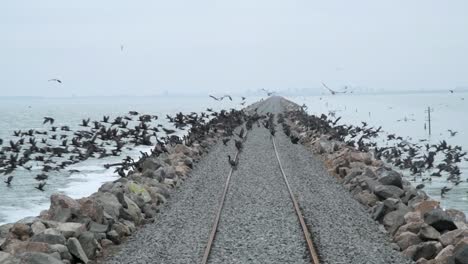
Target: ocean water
(22, 199)
(404, 115)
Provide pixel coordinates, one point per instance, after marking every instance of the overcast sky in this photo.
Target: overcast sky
(217, 46)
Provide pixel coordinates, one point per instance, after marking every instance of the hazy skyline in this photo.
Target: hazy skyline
(220, 46)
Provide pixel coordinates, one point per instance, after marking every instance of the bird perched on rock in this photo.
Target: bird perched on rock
(238, 144)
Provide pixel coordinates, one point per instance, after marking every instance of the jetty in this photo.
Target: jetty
(287, 194)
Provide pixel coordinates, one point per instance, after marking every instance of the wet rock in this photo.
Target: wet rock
(388, 191)
(49, 239)
(74, 247)
(89, 244)
(439, 220)
(63, 208)
(407, 239)
(38, 258)
(21, 231)
(71, 229)
(428, 232)
(392, 178)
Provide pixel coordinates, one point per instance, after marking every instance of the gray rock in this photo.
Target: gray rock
(110, 203)
(378, 211)
(5, 229)
(132, 212)
(428, 232)
(393, 220)
(460, 254)
(49, 239)
(97, 228)
(76, 250)
(114, 237)
(388, 191)
(37, 227)
(427, 250)
(71, 229)
(63, 208)
(392, 178)
(52, 231)
(7, 258)
(38, 258)
(407, 239)
(89, 244)
(150, 164)
(439, 220)
(62, 250)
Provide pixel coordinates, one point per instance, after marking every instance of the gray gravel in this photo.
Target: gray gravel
(258, 224)
(181, 229)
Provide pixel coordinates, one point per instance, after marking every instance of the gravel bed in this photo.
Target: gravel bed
(258, 224)
(181, 229)
(341, 229)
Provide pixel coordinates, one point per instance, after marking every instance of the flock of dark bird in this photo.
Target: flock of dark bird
(54, 148)
(420, 160)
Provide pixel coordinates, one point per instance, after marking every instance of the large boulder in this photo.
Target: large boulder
(49, 239)
(426, 206)
(388, 191)
(109, 202)
(130, 211)
(438, 219)
(393, 220)
(89, 244)
(21, 231)
(92, 209)
(407, 239)
(428, 232)
(63, 208)
(366, 198)
(444, 255)
(460, 253)
(76, 250)
(427, 250)
(392, 178)
(71, 229)
(138, 193)
(453, 237)
(37, 227)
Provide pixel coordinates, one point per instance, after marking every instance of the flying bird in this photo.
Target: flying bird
(48, 120)
(452, 133)
(330, 90)
(41, 186)
(55, 80)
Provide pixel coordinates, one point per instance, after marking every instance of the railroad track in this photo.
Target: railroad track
(307, 236)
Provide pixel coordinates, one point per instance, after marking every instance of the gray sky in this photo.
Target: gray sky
(217, 46)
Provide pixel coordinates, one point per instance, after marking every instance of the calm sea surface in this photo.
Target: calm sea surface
(404, 115)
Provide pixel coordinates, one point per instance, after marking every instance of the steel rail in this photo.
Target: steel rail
(305, 230)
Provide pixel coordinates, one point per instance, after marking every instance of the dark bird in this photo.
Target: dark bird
(444, 190)
(41, 177)
(225, 141)
(48, 120)
(238, 144)
(9, 179)
(331, 91)
(85, 122)
(214, 97)
(55, 80)
(169, 131)
(420, 186)
(241, 133)
(451, 91)
(452, 133)
(41, 186)
(232, 162)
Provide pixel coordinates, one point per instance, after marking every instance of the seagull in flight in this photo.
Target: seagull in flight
(55, 80)
(452, 133)
(330, 90)
(121, 47)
